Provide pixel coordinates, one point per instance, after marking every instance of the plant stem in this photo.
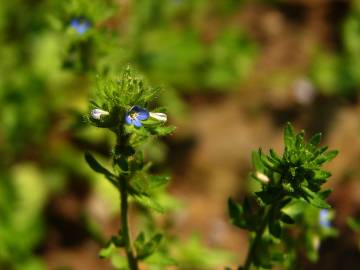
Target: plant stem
(255, 243)
(132, 261)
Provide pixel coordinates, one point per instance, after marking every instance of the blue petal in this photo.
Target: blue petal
(135, 108)
(74, 23)
(128, 119)
(137, 123)
(80, 25)
(143, 114)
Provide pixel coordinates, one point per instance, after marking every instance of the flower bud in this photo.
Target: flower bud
(262, 178)
(98, 113)
(159, 116)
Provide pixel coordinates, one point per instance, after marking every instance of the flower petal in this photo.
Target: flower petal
(128, 119)
(137, 123)
(143, 114)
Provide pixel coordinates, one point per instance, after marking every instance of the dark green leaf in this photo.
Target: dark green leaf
(97, 167)
(354, 224)
(287, 219)
(275, 156)
(275, 228)
(324, 193)
(236, 214)
(316, 139)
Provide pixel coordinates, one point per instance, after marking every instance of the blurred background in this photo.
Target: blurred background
(233, 72)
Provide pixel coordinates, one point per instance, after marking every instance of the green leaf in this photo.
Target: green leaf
(119, 262)
(267, 196)
(256, 161)
(97, 167)
(315, 199)
(275, 228)
(274, 156)
(289, 136)
(286, 218)
(326, 157)
(316, 139)
(146, 201)
(160, 259)
(331, 154)
(324, 193)
(236, 214)
(145, 248)
(299, 140)
(162, 130)
(354, 224)
(321, 175)
(108, 251)
(157, 181)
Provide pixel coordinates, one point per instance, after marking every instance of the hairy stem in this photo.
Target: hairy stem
(132, 261)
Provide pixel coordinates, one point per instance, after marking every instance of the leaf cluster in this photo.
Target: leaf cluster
(296, 176)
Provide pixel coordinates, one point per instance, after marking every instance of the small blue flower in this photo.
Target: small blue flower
(135, 115)
(80, 25)
(324, 218)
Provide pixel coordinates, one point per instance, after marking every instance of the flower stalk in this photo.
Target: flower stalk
(121, 106)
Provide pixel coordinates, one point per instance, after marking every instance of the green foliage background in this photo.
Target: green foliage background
(47, 71)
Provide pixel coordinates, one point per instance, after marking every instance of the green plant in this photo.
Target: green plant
(121, 107)
(285, 182)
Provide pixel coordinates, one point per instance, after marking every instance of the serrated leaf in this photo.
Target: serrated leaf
(289, 136)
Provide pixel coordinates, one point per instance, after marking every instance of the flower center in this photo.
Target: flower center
(134, 115)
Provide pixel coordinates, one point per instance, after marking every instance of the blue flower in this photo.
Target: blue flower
(135, 115)
(80, 25)
(324, 218)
